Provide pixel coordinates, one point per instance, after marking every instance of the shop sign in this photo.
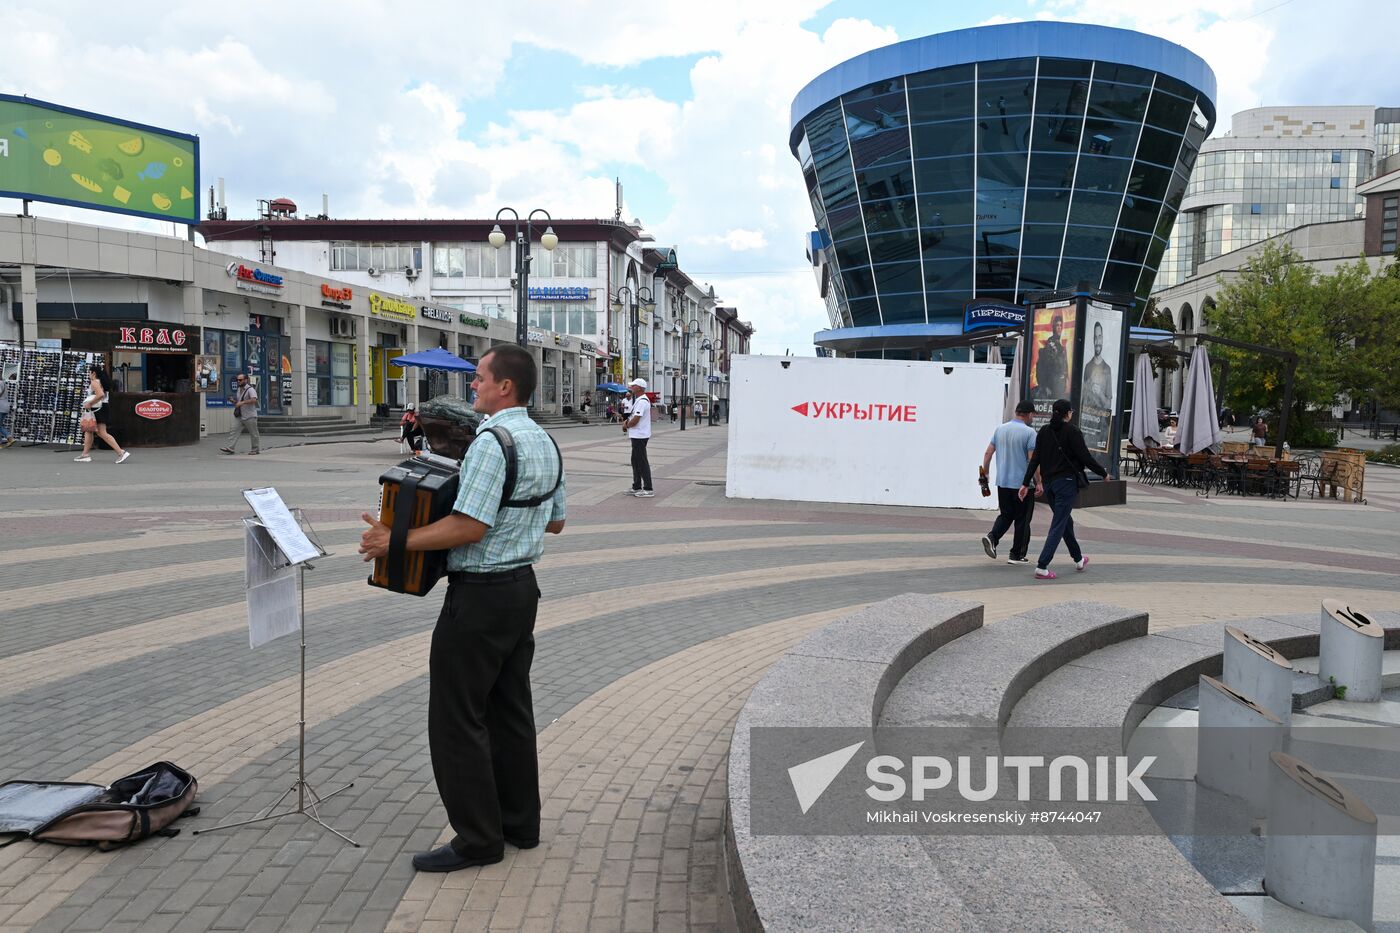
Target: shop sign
(535, 336)
(559, 293)
(998, 314)
(473, 321)
(153, 339)
(332, 297)
(643, 353)
(585, 347)
(154, 409)
(391, 307)
(436, 314)
(561, 341)
(254, 279)
(668, 262)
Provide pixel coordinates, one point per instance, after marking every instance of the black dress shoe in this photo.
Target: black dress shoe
(445, 858)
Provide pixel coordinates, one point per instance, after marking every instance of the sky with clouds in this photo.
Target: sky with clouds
(436, 109)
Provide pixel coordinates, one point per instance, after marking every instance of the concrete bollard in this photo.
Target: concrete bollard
(1233, 743)
(1351, 650)
(1259, 672)
(1320, 851)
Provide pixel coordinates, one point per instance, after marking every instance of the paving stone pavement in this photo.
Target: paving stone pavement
(123, 640)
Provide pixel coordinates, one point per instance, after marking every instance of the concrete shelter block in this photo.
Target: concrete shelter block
(1259, 672)
(1235, 738)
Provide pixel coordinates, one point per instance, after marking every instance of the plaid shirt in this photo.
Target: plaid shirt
(516, 536)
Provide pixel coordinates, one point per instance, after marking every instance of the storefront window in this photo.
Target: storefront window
(227, 347)
(328, 373)
(340, 371)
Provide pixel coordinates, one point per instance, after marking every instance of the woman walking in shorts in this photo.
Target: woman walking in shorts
(98, 404)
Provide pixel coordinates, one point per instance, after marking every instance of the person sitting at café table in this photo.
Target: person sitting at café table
(1169, 435)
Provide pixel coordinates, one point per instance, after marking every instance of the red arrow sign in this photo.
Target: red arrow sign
(801, 409)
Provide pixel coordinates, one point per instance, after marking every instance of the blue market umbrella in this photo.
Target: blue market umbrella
(436, 358)
(617, 387)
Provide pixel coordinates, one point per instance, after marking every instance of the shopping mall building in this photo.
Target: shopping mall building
(993, 163)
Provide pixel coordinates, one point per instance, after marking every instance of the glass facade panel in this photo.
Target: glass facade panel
(1046, 206)
(998, 99)
(894, 247)
(903, 309)
(1109, 138)
(887, 181)
(1042, 239)
(1125, 102)
(1168, 112)
(1096, 174)
(1006, 68)
(893, 214)
(942, 174)
(935, 140)
(896, 278)
(1074, 271)
(944, 242)
(948, 275)
(940, 104)
(1038, 274)
(945, 208)
(1159, 147)
(1095, 208)
(954, 75)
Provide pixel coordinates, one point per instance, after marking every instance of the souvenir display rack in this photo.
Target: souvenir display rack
(51, 387)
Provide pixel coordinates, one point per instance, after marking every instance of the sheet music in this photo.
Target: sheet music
(274, 608)
(281, 524)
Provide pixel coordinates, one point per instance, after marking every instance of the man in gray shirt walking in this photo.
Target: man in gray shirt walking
(245, 416)
(1012, 443)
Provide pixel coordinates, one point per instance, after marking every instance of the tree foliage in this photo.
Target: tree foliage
(1341, 326)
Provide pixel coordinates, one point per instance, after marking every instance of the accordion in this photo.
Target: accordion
(415, 493)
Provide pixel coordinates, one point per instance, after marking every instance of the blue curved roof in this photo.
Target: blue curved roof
(1009, 40)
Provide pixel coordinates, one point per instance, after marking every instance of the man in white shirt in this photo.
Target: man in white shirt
(638, 428)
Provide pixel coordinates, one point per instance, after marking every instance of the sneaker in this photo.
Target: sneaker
(9, 442)
(227, 450)
(1082, 564)
(82, 459)
(1018, 560)
(989, 547)
(1044, 573)
(253, 453)
(633, 492)
(644, 494)
(122, 458)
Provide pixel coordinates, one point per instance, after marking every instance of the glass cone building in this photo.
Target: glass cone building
(993, 163)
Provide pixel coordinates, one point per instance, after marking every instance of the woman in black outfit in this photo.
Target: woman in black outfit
(1061, 456)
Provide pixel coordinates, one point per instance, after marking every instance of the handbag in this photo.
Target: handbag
(88, 421)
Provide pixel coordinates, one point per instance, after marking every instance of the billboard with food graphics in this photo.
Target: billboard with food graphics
(53, 153)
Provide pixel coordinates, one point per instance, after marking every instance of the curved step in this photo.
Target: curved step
(867, 669)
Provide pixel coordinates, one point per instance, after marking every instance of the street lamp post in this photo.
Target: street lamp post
(642, 296)
(548, 240)
(692, 330)
(709, 345)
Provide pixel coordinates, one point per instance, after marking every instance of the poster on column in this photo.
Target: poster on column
(1098, 394)
(1052, 349)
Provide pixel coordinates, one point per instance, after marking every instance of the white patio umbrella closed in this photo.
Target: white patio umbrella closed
(1143, 426)
(1013, 389)
(1198, 426)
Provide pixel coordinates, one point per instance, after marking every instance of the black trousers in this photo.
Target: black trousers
(641, 467)
(1013, 512)
(481, 723)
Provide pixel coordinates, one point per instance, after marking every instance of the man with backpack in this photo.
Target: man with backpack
(481, 723)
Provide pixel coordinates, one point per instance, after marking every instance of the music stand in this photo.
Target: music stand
(271, 536)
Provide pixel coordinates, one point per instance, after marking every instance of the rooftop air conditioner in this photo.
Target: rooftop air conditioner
(373, 271)
(410, 272)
